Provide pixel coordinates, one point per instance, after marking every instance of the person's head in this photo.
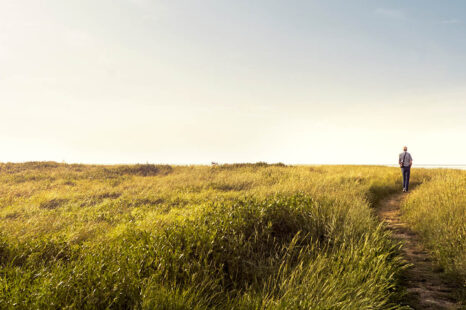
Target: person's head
(405, 148)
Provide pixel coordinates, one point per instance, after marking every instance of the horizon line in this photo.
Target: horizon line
(219, 163)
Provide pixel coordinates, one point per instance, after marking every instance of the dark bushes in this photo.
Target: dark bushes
(37, 166)
(139, 170)
(259, 164)
(53, 203)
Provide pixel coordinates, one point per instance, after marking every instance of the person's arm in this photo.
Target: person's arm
(399, 159)
(410, 160)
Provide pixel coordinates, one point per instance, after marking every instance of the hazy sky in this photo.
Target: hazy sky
(232, 81)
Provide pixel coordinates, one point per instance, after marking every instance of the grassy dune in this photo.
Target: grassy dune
(246, 236)
(437, 211)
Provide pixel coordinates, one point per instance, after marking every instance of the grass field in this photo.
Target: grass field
(436, 210)
(242, 236)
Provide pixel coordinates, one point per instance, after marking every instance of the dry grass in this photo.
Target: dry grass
(250, 236)
(437, 211)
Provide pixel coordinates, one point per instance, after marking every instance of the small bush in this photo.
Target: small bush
(139, 170)
(52, 203)
(260, 164)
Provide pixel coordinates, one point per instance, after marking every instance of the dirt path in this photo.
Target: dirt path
(426, 287)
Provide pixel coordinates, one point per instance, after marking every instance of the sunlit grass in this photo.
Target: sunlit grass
(437, 211)
(233, 236)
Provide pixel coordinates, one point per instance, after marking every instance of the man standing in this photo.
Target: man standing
(405, 160)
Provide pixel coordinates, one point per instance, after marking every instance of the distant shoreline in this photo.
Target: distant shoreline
(432, 166)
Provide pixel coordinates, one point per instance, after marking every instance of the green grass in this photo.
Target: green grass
(436, 210)
(243, 236)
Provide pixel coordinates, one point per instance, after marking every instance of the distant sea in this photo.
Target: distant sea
(462, 167)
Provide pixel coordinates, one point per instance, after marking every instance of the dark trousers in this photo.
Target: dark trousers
(405, 171)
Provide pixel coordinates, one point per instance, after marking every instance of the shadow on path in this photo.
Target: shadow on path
(426, 285)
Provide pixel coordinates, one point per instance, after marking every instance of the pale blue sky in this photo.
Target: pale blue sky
(183, 82)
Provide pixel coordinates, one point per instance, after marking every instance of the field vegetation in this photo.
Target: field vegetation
(436, 210)
(241, 236)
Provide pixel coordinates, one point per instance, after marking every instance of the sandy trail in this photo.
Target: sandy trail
(426, 285)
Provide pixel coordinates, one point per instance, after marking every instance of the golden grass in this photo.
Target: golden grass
(251, 236)
(437, 211)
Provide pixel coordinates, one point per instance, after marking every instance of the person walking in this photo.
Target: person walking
(405, 161)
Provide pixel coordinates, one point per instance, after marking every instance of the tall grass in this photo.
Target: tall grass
(248, 236)
(437, 211)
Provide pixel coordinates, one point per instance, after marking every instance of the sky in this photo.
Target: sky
(191, 82)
